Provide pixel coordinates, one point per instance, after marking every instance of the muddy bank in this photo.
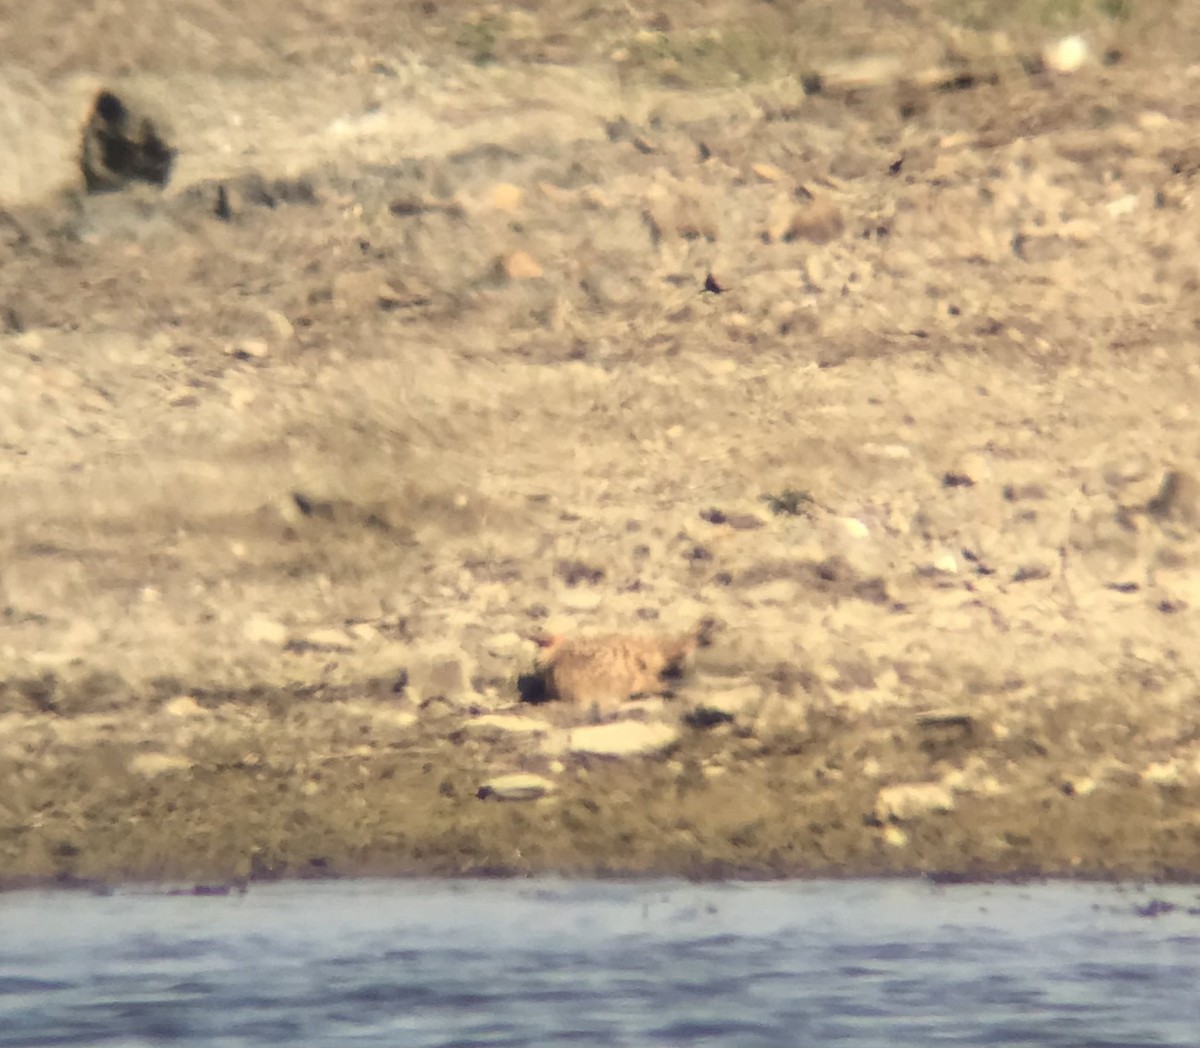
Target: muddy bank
(889, 374)
(237, 792)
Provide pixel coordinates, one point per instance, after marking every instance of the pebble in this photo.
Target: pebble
(151, 765)
(575, 599)
(521, 265)
(500, 724)
(768, 172)
(280, 325)
(504, 196)
(249, 348)
(1067, 55)
(946, 563)
(519, 786)
(911, 800)
(506, 645)
(184, 706)
(261, 630)
(330, 639)
(855, 528)
(395, 718)
(1161, 773)
(623, 739)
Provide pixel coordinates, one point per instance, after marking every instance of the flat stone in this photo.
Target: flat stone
(504, 196)
(151, 765)
(521, 265)
(519, 786)
(501, 724)
(506, 645)
(576, 599)
(910, 800)
(184, 706)
(1161, 773)
(623, 739)
(767, 172)
(261, 630)
(330, 638)
(395, 718)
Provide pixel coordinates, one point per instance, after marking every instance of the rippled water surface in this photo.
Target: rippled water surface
(542, 963)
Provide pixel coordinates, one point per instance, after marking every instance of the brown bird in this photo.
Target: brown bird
(601, 672)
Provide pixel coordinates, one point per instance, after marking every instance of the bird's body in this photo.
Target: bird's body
(601, 672)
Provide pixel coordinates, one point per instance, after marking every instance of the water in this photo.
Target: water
(420, 964)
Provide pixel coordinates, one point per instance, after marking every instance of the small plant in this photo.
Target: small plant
(790, 503)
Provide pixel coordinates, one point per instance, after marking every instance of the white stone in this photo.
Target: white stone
(261, 630)
(184, 706)
(506, 645)
(1161, 773)
(581, 599)
(395, 718)
(331, 638)
(946, 563)
(152, 765)
(499, 724)
(910, 800)
(519, 786)
(623, 739)
(1067, 55)
(855, 528)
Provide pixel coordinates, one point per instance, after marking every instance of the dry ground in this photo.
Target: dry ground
(849, 325)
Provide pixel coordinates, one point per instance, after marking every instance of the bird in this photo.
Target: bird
(600, 672)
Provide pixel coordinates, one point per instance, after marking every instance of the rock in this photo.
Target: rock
(393, 718)
(855, 528)
(623, 739)
(521, 265)
(1068, 55)
(911, 800)
(439, 675)
(1161, 773)
(1176, 504)
(121, 146)
(280, 324)
(151, 765)
(945, 564)
(329, 639)
(249, 349)
(505, 645)
(499, 725)
(504, 196)
(768, 172)
(719, 367)
(261, 630)
(184, 706)
(575, 599)
(519, 786)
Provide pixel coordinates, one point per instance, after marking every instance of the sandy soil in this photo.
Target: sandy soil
(856, 328)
